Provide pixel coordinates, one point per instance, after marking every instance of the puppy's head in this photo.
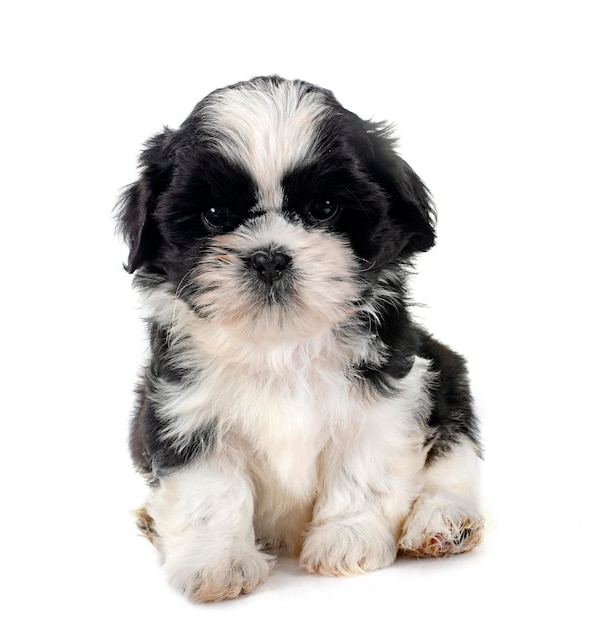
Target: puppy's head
(273, 209)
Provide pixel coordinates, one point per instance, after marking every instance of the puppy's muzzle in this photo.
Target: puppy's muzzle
(270, 265)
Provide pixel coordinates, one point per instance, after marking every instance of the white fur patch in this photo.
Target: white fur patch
(315, 301)
(268, 128)
(370, 479)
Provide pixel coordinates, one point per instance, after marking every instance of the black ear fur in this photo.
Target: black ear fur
(411, 205)
(137, 203)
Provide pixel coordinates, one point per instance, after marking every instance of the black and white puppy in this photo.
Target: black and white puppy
(289, 402)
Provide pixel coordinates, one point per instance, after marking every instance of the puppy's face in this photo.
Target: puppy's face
(272, 211)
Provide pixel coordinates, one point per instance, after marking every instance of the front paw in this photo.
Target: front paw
(343, 549)
(228, 579)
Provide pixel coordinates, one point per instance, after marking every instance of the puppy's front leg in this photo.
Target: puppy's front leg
(203, 518)
(367, 486)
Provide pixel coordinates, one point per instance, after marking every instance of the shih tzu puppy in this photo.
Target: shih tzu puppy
(289, 402)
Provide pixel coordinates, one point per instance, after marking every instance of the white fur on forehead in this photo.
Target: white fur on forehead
(267, 127)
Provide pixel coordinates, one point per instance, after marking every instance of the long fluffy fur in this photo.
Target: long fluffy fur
(288, 401)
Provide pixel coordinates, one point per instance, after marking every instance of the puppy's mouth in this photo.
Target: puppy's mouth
(259, 287)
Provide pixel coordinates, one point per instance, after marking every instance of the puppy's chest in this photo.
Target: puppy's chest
(279, 401)
(286, 414)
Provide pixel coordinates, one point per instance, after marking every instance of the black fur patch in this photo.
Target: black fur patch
(155, 455)
(152, 452)
(398, 339)
(452, 415)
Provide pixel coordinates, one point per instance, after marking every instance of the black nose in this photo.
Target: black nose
(269, 265)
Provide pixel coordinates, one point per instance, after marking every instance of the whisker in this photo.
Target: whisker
(224, 257)
(183, 284)
(367, 269)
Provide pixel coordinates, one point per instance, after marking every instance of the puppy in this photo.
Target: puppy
(289, 403)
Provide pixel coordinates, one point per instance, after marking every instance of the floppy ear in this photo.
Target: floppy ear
(137, 203)
(411, 205)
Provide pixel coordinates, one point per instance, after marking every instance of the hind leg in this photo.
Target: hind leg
(445, 518)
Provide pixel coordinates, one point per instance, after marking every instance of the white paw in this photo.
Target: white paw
(228, 578)
(438, 526)
(345, 550)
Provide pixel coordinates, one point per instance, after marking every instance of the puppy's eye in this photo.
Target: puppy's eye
(215, 217)
(323, 212)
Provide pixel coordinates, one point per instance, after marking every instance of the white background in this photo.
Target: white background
(504, 109)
